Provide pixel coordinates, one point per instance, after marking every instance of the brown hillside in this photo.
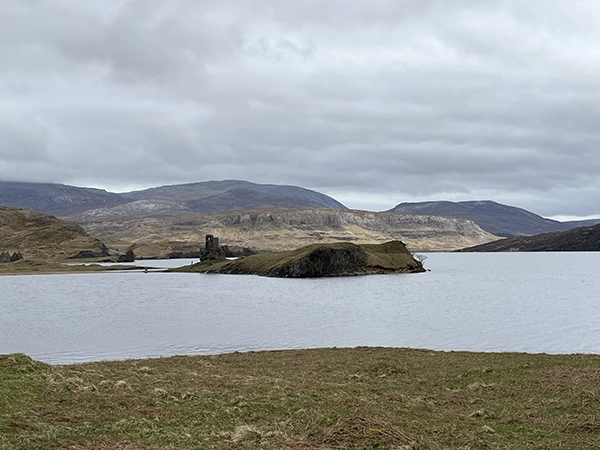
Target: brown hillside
(44, 237)
(281, 229)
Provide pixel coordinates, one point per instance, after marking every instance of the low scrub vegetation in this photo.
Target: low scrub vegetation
(363, 398)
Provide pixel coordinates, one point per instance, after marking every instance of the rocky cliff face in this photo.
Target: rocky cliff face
(423, 232)
(320, 261)
(285, 229)
(326, 262)
(319, 218)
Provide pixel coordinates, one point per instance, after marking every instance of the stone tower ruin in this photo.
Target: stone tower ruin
(211, 244)
(211, 249)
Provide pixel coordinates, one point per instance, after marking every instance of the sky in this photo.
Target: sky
(372, 102)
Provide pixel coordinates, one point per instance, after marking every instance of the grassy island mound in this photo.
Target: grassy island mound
(318, 260)
(324, 399)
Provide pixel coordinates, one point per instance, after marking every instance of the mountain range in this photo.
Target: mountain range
(211, 196)
(576, 240)
(498, 219)
(172, 220)
(80, 203)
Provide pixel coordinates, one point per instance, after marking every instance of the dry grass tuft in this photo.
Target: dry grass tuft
(364, 432)
(246, 433)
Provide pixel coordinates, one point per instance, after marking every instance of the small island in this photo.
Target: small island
(314, 261)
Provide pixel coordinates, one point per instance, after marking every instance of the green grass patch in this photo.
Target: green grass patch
(26, 266)
(363, 398)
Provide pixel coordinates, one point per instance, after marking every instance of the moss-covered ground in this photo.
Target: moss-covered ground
(363, 398)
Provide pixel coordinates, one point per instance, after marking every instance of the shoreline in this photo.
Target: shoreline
(77, 272)
(138, 359)
(61, 268)
(40, 267)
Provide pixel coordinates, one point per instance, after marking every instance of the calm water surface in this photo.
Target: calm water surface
(531, 302)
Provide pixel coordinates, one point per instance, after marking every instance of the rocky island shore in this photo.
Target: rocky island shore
(317, 260)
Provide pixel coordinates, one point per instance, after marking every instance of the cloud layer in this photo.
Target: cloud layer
(374, 103)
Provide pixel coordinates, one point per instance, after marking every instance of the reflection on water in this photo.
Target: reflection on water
(536, 302)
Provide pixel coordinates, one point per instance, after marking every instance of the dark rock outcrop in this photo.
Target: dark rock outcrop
(128, 256)
(326, 262)
(16, 256)
(6, 257)
(91, 253)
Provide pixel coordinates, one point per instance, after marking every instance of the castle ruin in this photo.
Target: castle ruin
(211, 244)
(211, 248)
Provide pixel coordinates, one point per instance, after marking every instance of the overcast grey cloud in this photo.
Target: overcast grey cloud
(374, 103)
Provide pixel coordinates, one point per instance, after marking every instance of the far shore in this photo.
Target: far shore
(57, 268)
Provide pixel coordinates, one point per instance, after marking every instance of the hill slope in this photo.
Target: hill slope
(576, 240)
(498, 219)
(44, 237)
(69, 201)
(228, 195)
(55, 199)
(281, 229)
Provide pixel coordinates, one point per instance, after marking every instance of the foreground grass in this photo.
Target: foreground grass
(363, 398)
